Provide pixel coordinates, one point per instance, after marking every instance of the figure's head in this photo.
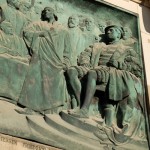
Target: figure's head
(73, 21)
(25, 7)
(102, 26)
(7, 28)
(14, 3)
(48, 14)
(89, 24)
(59, 7)
(113, 33)
(127, 33)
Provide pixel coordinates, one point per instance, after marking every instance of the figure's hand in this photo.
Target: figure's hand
(114, 63)
(65, 67)
(122, 65)
(128, 59)
(43, 33)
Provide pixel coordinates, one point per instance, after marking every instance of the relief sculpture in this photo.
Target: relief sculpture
(72, 75)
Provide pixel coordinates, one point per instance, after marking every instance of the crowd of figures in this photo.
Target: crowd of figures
(66, 66)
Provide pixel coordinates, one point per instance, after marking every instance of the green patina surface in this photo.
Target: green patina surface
(74, 73)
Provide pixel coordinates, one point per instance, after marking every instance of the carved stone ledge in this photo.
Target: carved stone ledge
(143, 2)
(137, 1)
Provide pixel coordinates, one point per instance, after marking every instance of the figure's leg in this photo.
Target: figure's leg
(75, 83)
(90, 88)
(73, 101)
(128, 107)
(123, 110)
(109, 114)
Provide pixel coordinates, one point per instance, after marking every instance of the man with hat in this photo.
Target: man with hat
(109, 68)
(113, 34)
(50, 48)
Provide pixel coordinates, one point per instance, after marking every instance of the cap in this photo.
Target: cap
(115, 26)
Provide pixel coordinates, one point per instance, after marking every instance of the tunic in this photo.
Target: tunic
(109, 62)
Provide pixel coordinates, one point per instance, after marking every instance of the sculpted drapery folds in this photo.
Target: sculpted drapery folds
(50, 46)
(15, 44)
(69, 69)
(13, 59)
(19, 20)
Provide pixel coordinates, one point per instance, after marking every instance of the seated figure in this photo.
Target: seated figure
(116, 69)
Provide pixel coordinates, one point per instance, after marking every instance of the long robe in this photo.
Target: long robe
(45, 87)
(13, 66)
(77, 43)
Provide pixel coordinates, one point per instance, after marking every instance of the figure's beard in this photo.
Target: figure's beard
(71, 25)
(89, 28)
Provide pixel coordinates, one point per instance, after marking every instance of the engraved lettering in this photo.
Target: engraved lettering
(33, 147)
(8, 140)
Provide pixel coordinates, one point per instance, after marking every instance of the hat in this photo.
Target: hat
(115, 26)
(50, 8)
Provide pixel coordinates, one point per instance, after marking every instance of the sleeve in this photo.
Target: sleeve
(85, 57)
(30, 35)
(67, 50)
(4, 49)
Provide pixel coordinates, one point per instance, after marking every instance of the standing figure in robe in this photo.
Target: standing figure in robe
(45, 86)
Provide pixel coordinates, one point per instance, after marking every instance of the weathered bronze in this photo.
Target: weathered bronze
(72, 75)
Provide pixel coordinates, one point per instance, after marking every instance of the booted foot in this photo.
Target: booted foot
(81, 113)
(27, 111)
(70, 111)
(125, 128)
